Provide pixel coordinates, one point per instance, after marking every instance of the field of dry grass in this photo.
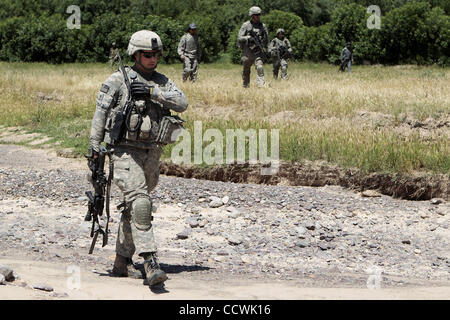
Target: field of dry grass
(389, 119)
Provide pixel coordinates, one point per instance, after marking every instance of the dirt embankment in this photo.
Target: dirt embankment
(414, 187)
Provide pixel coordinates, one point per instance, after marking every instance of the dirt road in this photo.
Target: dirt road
(258, 245)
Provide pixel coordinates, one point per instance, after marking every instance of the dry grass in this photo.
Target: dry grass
(394, 119)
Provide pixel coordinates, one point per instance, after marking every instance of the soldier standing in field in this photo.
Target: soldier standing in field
(113, 54)
(280, 50)
(253, 39)
(137, 150)
(347, 58)
(190, 53)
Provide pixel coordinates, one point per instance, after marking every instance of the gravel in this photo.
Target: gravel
(254, 229)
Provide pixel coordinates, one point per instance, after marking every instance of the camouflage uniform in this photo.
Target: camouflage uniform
(280, 61)
(251, 54)
(346, 58)
(189, 48)
(136, 156)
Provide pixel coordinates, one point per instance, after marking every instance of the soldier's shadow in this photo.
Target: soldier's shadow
(167, 268)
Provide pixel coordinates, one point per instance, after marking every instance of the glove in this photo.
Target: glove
(140, 89)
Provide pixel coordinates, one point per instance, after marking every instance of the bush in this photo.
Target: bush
(278, 19)
(415, 34)
(233, 50)
(312, 43)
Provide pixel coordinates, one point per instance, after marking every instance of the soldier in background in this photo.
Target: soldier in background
(251, 52)
(280, 50)
(136, 154)
(190, 53)
(346, 58)
(113, 54)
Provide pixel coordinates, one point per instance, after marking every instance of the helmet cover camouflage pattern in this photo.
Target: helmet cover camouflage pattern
(254, 10)
(144, 40)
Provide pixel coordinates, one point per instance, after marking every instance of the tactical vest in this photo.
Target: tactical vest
(144, 121)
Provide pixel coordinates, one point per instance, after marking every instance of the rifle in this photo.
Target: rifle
(96, 202)
(258, 44)
(283, 53)
(343, 65)
(122, 119)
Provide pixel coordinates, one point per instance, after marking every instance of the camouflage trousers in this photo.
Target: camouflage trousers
(190, 69)
(277, 64)
(247, 62)
(136, 173)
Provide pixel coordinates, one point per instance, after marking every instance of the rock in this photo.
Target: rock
(194, 223)
(2, 280)
(216, 203)
(234, 239)
(417, 251)
(423, 215)
(7, 272)
(223, 253)
(225, 199)
(323, 246)
(303, 243)
(184, 234)
(235, 214)
(202, 223)
(246, 259)
(300, 230)
(406, 241)
(436, 201)
(370, 193)
(60, 295)
(310, 225)
(195, 210)
(43, 287)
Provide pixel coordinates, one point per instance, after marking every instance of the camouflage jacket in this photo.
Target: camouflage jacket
(346, 54)
(276, 44)
(259, 29)
(112, 98)
(189, 46)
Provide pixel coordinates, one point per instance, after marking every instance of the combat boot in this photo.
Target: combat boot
(152, 269)
(124, 267)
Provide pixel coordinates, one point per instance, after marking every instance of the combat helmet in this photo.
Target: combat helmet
(144, 40)
(254, 10)
(192, 26)
(280, 31)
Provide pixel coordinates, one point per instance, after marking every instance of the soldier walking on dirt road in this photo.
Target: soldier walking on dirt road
(136, 153)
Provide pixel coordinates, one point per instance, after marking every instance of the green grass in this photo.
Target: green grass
(320, 108)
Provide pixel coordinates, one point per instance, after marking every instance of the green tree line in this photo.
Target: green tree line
(411, 31)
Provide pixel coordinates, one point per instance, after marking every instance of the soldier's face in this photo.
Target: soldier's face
(192, 31)
(149, 59)
(256, 18)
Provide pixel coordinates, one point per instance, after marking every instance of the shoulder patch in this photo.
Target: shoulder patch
(104, 88)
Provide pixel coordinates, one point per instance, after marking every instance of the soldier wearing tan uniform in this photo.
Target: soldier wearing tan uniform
(280, 50)
(190, 53)
(251, 53)
(136, 154)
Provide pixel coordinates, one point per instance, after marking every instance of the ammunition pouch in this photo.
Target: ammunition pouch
(169, 128)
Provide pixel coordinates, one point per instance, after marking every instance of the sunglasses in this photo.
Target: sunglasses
(151, 54)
